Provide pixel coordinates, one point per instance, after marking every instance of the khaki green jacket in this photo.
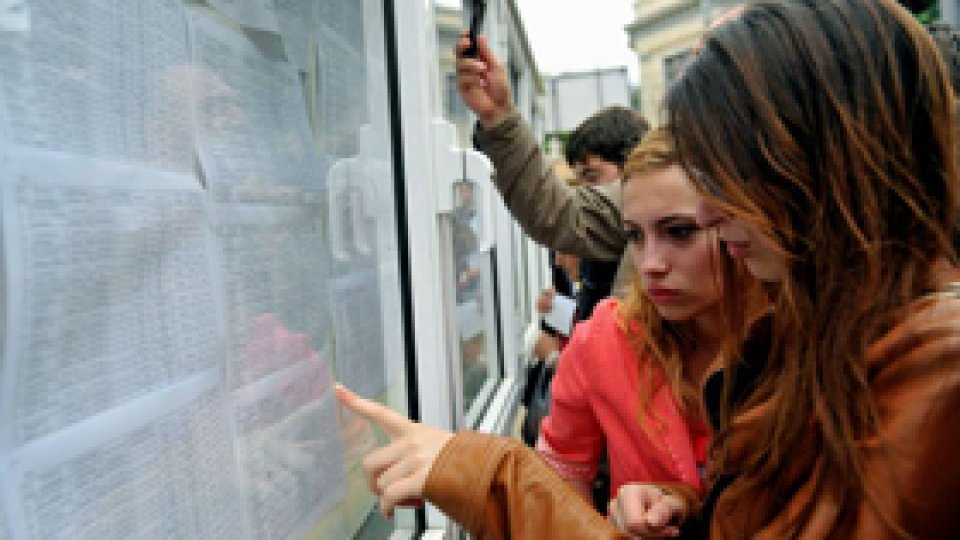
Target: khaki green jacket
(584, 221)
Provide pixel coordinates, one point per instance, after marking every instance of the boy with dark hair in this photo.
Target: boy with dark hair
(608, 135)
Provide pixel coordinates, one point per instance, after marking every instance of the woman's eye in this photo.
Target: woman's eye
(682, 232)
(633, 235)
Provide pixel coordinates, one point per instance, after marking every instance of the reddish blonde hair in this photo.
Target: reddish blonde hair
(666, 343)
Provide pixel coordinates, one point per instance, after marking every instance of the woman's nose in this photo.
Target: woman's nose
(651, 261)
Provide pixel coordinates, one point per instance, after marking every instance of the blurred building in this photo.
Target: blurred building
(950, 12)
(450, 22)
(572, 97)
(663, 34)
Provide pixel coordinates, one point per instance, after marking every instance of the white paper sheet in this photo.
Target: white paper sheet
(560, 317)
(163, 370)
(258, 14)
(342, 96)
(109, 282)
(251, 114)
(98, 78)
(298, 20)
(159, 467)
(291, 455)
(274, 265)
(346, 20)
(469, 319)
(4, 535)
(359, 336)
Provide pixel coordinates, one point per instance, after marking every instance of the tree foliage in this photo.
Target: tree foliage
(926, 11)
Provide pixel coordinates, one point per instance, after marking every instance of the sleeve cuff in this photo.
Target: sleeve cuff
(483, 137)
(459, 479)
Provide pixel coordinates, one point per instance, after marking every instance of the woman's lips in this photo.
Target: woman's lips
(661, 295)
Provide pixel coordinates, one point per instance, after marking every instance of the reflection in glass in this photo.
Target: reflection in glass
(473, 292)
(449, 20)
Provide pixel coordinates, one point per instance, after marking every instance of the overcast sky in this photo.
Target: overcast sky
(577, 35)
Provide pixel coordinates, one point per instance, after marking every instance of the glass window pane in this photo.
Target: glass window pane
(473, 286)
(199, 238)
(673, 64)
(448, 17)
(519, 300)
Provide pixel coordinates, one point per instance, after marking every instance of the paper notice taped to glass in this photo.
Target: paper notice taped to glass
(560, 317)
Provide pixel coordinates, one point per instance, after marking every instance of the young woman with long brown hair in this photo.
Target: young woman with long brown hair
(829, 158)
(821, 131)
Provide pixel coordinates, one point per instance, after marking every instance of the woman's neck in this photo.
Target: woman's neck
(708, 329)
(707, 335)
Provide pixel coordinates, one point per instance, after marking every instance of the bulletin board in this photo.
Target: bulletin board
(198, 238)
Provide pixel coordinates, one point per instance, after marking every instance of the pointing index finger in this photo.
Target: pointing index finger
(392, 423)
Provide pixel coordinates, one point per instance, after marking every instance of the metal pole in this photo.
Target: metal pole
(706, 9)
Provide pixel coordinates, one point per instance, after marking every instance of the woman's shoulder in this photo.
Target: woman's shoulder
(927, 335)
(604, 322)
(600, 339)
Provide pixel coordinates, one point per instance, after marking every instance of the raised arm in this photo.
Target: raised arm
(584, 221)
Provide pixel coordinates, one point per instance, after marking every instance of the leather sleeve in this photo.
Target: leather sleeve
(916, 385)
(584, 221)
(910, 467)
(688, 494)
(497, 488)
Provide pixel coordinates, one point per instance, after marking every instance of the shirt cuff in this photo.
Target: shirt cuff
(482, 137)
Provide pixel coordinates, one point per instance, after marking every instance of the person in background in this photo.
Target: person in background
(596, 151)
(549, 341)
(583, 221)
(565, 278)
(651, 349)
(828, 153)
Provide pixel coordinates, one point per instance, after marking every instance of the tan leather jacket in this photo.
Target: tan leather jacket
(584, 221)
(498, 489)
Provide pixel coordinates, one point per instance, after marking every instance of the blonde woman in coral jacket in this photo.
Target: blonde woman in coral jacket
(628, 381)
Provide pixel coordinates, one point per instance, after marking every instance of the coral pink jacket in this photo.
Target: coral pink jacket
(595, 404)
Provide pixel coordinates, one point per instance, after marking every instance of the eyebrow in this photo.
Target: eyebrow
(663, 221)
(673, 218)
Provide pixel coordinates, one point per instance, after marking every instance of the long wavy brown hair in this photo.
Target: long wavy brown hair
(827, 124)
(666, 343)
